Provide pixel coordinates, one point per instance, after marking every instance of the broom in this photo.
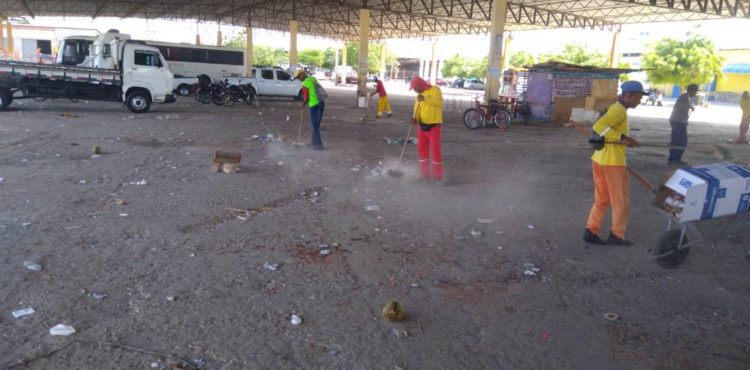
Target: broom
(396, 173)
(299, 144)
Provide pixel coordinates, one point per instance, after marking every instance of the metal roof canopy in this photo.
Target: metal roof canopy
(339, 19)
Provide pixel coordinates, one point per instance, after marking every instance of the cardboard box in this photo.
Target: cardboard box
(606, 89)
(564, 107)
(711, 191)
(576, 114)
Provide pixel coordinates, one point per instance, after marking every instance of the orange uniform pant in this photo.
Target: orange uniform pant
(744, 125)
(611, 188)
(429, 141)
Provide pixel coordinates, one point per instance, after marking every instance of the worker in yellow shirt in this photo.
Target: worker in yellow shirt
(610, 169)
(428, 115)
(745, 121)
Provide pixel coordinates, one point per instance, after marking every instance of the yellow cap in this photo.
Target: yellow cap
(297, 73)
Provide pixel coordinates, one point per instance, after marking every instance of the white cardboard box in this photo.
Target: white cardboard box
(712, 190)
(576, 114)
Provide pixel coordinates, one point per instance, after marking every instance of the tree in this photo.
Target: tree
(578, 54)
(311, 57)
(458, 66)
(262, 55)
(329, 58)
(624, 65)
(478, 68)
(455, 66)
(268, 56)
(683, 62)
(521, 59)
(373, 56)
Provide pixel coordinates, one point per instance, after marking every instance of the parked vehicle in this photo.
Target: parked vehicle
(438, 82)
(124, 70)
(496, 114)
(458, 83)
(186, 61)
(270, 82)
(474, 84)
(224, 93)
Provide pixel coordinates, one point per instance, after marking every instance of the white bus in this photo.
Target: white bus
(192, 60)
(185, 60)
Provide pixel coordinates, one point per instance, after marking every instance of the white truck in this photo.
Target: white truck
(269, 81)
(120, 70)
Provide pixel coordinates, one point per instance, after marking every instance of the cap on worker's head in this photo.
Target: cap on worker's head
(692, 87)
(298, 73)
(418, 82)
(632, 87)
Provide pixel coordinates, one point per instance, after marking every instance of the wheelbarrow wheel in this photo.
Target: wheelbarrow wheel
(667, 247)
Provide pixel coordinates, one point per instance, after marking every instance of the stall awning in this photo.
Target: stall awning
(737, 68)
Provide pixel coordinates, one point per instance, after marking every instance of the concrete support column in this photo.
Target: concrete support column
(506, 52)
(218, 34)
(2, 35)
(336, 67)
(613, 52)
(433, 65)
(382, 61)
(364, 39)
(10, 45)
(499, 9)
(293, 28)
(249, 49)
(197, 33)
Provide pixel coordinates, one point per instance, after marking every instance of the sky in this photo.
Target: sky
(726, 34)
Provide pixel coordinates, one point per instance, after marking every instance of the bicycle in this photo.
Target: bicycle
(495, 114)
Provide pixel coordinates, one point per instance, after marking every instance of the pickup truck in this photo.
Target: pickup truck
(270, 82)
(127, 71)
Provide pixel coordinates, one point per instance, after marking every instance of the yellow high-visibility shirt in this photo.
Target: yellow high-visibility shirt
(431, 110)
(612, 126)
(745, 105)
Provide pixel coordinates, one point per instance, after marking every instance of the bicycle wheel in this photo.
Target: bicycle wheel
(473, 118)
(501, 119)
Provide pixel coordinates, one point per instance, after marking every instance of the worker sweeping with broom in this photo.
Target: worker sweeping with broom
(428, 115)
(610, 169)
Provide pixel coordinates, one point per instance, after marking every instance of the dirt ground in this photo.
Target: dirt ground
(184, 275)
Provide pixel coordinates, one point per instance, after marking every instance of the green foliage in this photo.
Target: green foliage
(268, 56)
(577, 54)
(236, 41)
(373, 56)
(683, 62)
(311, 57)
(329, 58)
(521, 59)
(624, 65)
(458, 66)
(455, 66)
(262, 55)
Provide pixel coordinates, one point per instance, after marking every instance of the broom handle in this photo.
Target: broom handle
(406, 140)
(649, 145)
(299, 129)
(642, 180)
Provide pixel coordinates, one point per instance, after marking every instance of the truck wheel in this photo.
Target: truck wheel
(183, 90)
(5, 98)
(138, 101)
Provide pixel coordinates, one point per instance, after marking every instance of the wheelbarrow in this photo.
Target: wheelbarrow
(703, 204)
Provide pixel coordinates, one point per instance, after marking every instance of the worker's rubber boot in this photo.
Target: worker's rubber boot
(590, 237)
(614, 240)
